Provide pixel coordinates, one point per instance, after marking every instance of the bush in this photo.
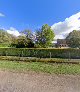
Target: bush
(41, 53)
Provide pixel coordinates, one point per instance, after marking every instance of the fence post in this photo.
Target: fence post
(6, 53)
(69, 57)
(22, 54)
(50, 55)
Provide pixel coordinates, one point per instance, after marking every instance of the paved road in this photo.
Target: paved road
(38, 82)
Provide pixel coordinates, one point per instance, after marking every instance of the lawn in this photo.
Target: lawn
(51, 68)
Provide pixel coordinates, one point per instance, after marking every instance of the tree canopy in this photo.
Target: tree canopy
(5, 38)
(44, 36)
(73, 39)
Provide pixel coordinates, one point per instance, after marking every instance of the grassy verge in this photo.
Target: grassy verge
(40, 67)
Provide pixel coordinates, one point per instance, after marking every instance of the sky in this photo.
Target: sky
(62, 15)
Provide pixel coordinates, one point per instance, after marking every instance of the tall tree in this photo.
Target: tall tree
(21, 42)
(24, 40)
(73, 39)
(5, 38)
(28, 33)
(44, 36)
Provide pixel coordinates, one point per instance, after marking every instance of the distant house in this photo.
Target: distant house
(61, 43)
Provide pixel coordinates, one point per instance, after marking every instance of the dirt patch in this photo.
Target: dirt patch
(38, 82)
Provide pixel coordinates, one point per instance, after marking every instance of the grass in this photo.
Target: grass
(40, 67)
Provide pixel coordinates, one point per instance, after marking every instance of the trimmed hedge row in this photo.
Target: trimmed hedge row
(41, 53)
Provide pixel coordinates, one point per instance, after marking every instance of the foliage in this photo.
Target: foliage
(5, 38)
(44, 36)
(26, 39)
(27, 33)
(41, 53)
(14, 41)
(21, 42)
(30, 44)
(73, 39)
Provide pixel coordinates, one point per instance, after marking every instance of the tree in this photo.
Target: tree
(73, 39)
(14, 41)
(44, 36)
(28, 33)
(5, 38)
(29, 36)
(21, 42)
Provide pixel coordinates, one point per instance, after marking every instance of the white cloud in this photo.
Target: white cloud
(2, 15)
(13, 31)
(62, 29)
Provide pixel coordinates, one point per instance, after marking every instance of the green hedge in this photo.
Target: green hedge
(41, 53)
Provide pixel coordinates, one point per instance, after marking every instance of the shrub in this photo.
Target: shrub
(41, 53)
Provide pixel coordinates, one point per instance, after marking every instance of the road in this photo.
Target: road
(38, 82)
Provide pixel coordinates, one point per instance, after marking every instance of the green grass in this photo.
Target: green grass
(40, 67)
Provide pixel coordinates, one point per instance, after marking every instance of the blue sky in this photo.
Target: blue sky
(32, 14)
